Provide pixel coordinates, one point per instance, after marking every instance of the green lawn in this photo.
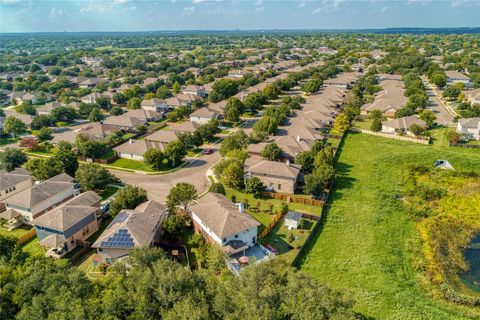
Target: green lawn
(5, 141)
(33, 248)
(138, 165)
(262, 213)
(107, 193)
(278, 238)
(366, 242)
(107, 155)
(16, 233)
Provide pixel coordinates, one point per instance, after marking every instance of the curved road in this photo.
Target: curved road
(158, 186)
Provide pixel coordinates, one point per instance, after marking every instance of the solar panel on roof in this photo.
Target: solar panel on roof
(121, 239)
(121, 217)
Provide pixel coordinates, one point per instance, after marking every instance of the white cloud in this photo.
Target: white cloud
(317, 10)
(55, 13)
(188, 11)
(120, 1)
(258, 2)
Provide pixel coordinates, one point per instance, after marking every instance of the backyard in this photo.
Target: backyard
(366, 243)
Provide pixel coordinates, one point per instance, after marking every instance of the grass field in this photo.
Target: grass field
(366, 242)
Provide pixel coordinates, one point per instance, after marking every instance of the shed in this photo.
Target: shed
(292, 219)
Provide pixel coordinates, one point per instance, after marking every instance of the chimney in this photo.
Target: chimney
(298, 138)
(241, 206)
(130, 141)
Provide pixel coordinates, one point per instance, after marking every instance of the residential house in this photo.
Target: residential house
(458, 77)
(402, 125)
(93, 131)
(13, 182)
(91, 82)
(68, 225)
(343, 80)
(48, 107)
(135, 149)
(194, 90)
(237, 74)
(184, 127)
(204, 115)
(276, 176)
(155, 105)
(389, 100)
(469, 128)
(42, 197)
(181, 100)
(163, 136)
(131, 229)
(91, 97)
(222, 222)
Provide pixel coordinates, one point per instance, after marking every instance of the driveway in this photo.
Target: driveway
(158, 186)
(444, 117)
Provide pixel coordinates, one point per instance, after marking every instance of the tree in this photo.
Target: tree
(255, 101)
(217, 187)
(176, 88)
(175, 152)
(44, 169)
(233, 109)
(154, 158)
(128, 197)
(134, 103)
(94, 177)
(235, 141)
(254, 186)
(376, 114)
(305, 159)
(321, 178)
(271, 152)
(233, 175)
(439, 79)
(271, 92)
(14, 126)
(429, 117)
(416, 129)
(312, 86)
(341, 123)
(376, 125)
(116, 111)
(63, 114)
(173, 225)
(45, 134)
(41, 121)
(12, 158)
(89, 148)
(223, 89)
(181, 194)
(67, 158)
(95, 115)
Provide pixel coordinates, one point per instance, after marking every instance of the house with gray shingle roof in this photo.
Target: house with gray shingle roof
(402, 125)
(42, 197)
(469, 127)
(131, 229)
(275, 175)
(135, 149)
(70, 224)
(221, 221)
(12, 183)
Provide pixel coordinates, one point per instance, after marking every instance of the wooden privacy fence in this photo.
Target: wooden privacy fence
(393, 136)
(291, 198)
(27, 236)
(464, 145)
(270, 226)
(78, 255)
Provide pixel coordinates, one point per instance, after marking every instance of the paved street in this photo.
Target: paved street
(158, 186)
(444, 117)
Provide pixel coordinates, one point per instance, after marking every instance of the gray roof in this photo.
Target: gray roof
(42, 191)
(164, 136)
(273, 168)
(69, 213)
(404, 122)
(139, 147)
(469, 122)
(133, 228)
(222, 216)
(9, 179)
(293, 215)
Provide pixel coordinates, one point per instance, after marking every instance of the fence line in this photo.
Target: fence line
(27, 236)
(291, 198)
(392, 136)
(270, 226)
(464, 145)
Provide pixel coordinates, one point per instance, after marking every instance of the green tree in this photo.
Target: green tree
(233, 175)
(429, 117)
(321, 178)
(11, 158)
(217, 187)
(154, 158)
(376, 125)
(176, 88)
(271, 92)
(416, 130)
(43, 169)
(376, 114)
(67, 158)
(175, 152)
(41, 121)
(312, 86)
(14, 126)
(92, 176)
(45, 134)
(95, 115)
(254, 186)
(271, 152)
(233, 109)
(173, 225)
(134, 103)
(181, 194)
(223, 89)
(128, 197)
(116, 111)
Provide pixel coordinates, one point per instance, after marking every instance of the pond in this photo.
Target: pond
(472, 258)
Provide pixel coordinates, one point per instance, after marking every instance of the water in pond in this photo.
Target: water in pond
(472, 258)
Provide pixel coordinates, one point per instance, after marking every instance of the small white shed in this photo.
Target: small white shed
(292, 219)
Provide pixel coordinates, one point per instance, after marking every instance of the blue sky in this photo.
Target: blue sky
(141, 15)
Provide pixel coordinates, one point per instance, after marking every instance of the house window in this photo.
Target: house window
(236, 236)
(279, 186)
(100, 250)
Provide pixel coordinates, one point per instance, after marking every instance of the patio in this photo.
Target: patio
(255, 254)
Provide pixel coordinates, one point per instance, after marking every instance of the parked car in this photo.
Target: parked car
(270, 248)
(207, 151)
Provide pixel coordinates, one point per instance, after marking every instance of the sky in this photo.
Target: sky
(157, 15)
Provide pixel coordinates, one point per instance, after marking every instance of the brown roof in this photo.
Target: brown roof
(164, 136)
(9, 179)
(404, 122)
(204, 113)
(273, 168)
(139, 225)
(69, 213)
(184, 127)
(139, 147)
(222, 216)
(42, 191)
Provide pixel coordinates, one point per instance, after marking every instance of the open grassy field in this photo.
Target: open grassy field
(366, 242)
